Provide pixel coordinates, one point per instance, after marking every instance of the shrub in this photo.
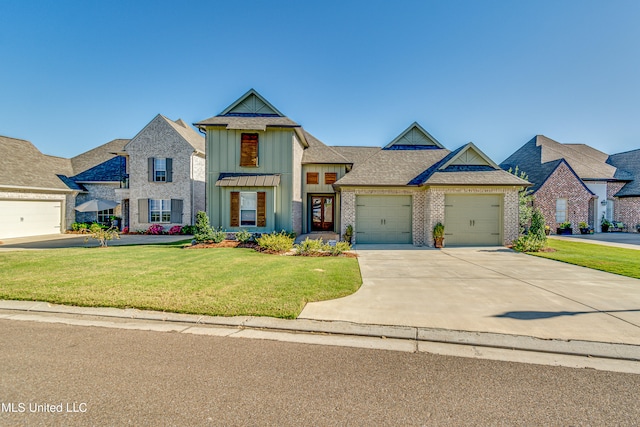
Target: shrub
(82, 227)
(125, 230)
(529, 243)
(102, 235)
(348, 234)
(339, 248)
(188, 229)
(538, 226)
(203, 232)
(243, 236)
(276, 242)
(176, 229)
(155, 229)
(218, 236)
(310, 247)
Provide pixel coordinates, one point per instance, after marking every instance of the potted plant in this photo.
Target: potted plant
(564, 228)
(348, 234)
(438, 235)
(584, 228)
(547, 230)
(605, 224)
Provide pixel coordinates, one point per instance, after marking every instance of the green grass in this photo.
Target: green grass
(625, 262)
(221, 281)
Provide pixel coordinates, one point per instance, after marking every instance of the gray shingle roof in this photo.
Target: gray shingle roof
(189, 134)
(354, 154)
(23, 165)
(95, 156)
(318, 152)
(628, 164)
(247, 122)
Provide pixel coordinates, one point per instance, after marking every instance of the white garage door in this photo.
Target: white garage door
(473, 220)
(383, 219)
(19, 218)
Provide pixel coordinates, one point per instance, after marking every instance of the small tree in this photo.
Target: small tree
(103, 235)
(204, 231)
(525, 201)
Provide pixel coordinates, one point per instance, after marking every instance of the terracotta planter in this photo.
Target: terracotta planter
(438, 242)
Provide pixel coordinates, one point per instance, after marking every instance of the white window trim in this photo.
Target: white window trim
(161, 212)
(562, 211)
(254, 210)
(157, 169)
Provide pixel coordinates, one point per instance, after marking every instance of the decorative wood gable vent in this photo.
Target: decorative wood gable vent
(469, 158)
(252, 105)
(414, 138)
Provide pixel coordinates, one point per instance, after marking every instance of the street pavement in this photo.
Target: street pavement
(144, 378)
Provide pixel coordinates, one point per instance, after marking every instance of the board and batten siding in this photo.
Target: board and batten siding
(275, 156)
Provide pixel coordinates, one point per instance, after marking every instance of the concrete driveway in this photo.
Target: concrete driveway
(487, 290)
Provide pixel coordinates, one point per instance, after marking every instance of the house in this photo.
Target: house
(156, 177)
(165, 175)
(577, 183)
(266, 173)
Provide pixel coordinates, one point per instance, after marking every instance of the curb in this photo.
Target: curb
(616, 351)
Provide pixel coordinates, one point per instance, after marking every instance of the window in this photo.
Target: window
(248, 209)
(249, 150)
(330, 177)
(103, 216)
(160, 169)
(312, 178)
(159, 210)
(609, 214)
(561, 210)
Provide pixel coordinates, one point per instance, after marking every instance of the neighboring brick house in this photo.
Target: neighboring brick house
(577, 183)
(266, 173)
(166, 174)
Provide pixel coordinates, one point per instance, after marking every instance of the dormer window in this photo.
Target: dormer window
(249, 150)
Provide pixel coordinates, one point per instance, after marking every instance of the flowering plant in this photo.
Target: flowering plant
(176, 229)
(155, 229)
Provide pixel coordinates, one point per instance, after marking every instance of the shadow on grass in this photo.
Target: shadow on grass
(534, 315)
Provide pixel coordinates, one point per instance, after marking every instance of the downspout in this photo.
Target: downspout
(192, 189)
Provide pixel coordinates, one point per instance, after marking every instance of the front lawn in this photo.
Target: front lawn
(625, 262)
(218, 282)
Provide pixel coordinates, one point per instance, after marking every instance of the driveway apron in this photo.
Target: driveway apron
(487, 290)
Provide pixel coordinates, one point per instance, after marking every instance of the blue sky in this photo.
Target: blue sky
(77, 74)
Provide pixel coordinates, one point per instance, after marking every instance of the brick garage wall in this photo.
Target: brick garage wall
(435, 198)
(563, 184)
(348, 209)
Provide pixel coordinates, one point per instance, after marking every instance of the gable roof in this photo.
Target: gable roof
(628, 168)
(187, 133)
(318, 152)
(356, 155)
(95, 156)
(414, 137)
(540, 156)
(249, 112)
(22, 165)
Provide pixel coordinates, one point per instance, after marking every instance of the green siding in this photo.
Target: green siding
(275, 155)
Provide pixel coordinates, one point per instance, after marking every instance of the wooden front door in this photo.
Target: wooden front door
(322, 213)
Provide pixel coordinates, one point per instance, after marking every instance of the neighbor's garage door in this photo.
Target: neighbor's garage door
(20, 218)
(472, 220)
(383, 219)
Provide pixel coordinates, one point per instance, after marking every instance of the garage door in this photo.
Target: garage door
(20, 218)
(473, 220)
(383, 219)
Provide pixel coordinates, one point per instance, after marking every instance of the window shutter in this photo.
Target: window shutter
(143, 210)
(330, 177)
(249, 150)
(262, 209)
(235, 209)
(170, 170)
(176, 211)
(150, 170)
(312, 177)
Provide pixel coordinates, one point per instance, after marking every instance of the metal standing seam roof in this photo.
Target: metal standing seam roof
(247, 180)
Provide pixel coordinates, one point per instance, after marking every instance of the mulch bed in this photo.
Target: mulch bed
(254, 246)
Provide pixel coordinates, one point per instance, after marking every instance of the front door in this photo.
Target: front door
(322, 213)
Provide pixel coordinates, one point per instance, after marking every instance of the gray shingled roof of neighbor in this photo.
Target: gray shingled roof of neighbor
(587, 162)
(356, 155)
(89, 159)
(113, 170)
(628, 164)
(248, 180)
(392, 167)
(189, 134)
(23, 165)
(318, 152)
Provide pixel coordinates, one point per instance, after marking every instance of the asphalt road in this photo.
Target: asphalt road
(128, 377)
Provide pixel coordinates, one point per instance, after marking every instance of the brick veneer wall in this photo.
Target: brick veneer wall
(625, 209)
(428, 209)
(563, 184)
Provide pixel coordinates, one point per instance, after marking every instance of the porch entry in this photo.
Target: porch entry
(322, 213)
